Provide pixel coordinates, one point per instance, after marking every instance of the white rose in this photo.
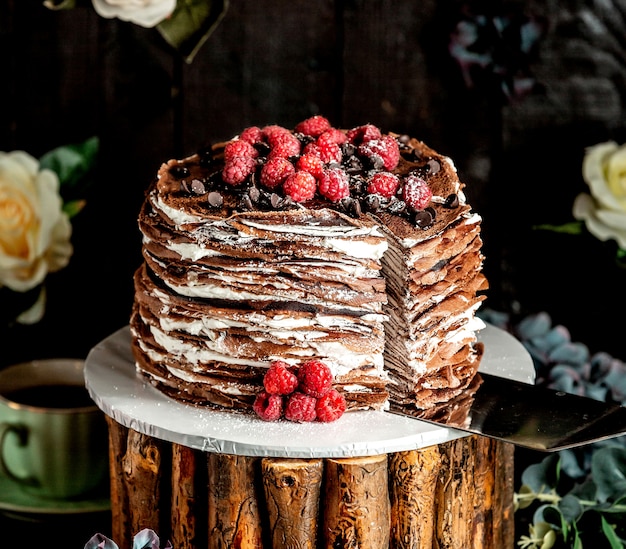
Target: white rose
(146, 13)
(34, 231)
(604, 210)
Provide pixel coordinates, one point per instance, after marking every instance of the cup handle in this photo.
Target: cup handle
(22, 434)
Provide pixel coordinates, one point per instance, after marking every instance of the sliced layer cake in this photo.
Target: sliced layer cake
(351, 247)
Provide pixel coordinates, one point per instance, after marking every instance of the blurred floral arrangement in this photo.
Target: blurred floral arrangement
(602, 211)
(145, 539)
(495, 50)
(184, 24)
(35, 227)
(576, 497)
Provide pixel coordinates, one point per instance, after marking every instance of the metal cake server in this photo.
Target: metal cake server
(527, 415)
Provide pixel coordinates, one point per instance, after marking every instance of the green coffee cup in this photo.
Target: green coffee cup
(53, 438)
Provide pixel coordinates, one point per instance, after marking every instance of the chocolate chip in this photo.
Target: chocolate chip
(263, 148)
(179, 171)
(276, 201)
(423, 218)
(372, 202)
(254, 194)
(351, 206)
(432, 166)
(216, 199)
(452, 201)
(246, 203)
(197, 187)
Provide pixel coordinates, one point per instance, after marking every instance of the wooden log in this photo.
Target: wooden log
(412, 482)
(454, 497)
(504, 488)
(234, 520)
(292, 495)
(356, 503)
(120, 512)
(142, 472)
(185, 501)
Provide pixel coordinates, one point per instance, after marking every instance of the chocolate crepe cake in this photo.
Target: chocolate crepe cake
(352, 247)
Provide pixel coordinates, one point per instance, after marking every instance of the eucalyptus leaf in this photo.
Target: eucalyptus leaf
(72, 163)
(608, 467)
(576, 354)
(552, 515)
(534, 326)
(570, 508)
(570, 465)
(585, 490)
(553, 338)
(191, 24)
(540, 477)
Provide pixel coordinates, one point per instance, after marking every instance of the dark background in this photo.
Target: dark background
(70, 75)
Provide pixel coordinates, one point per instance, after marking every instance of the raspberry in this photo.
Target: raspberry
(416, 192)
(300, 407)
(314, 126)
(239, 148)
(315, 378)
(252, 135)
(362, 134)
(237, 169)
(386, 147)
(383, 183)
(329, 152)
(300, 186)
(311, 163)
(334, 184)
(284, 145)
(272, 132)
(275, 171)
(279, 380)
(333, 135)
(331, 406)
(268, 407)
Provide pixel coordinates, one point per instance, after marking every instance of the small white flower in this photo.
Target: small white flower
(34, 231)
(146, 13)
(604, 210)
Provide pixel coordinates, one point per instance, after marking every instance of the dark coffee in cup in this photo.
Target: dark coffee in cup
(51, 396)
(53, 437)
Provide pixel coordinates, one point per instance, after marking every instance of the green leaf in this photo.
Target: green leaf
(72, 163)
(608, 467)
(73, 207)
(574, 227)
(611, 536)
(191, 24)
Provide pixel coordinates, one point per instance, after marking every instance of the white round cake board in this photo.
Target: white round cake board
(121, 393)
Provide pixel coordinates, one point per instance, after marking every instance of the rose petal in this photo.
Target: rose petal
(145, 13)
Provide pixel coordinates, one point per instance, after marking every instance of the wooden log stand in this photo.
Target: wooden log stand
(373, 480)
(458, 494)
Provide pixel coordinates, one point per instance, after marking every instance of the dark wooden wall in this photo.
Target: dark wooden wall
(68, 75)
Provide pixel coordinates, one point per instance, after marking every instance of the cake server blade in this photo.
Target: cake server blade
(527, 415)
